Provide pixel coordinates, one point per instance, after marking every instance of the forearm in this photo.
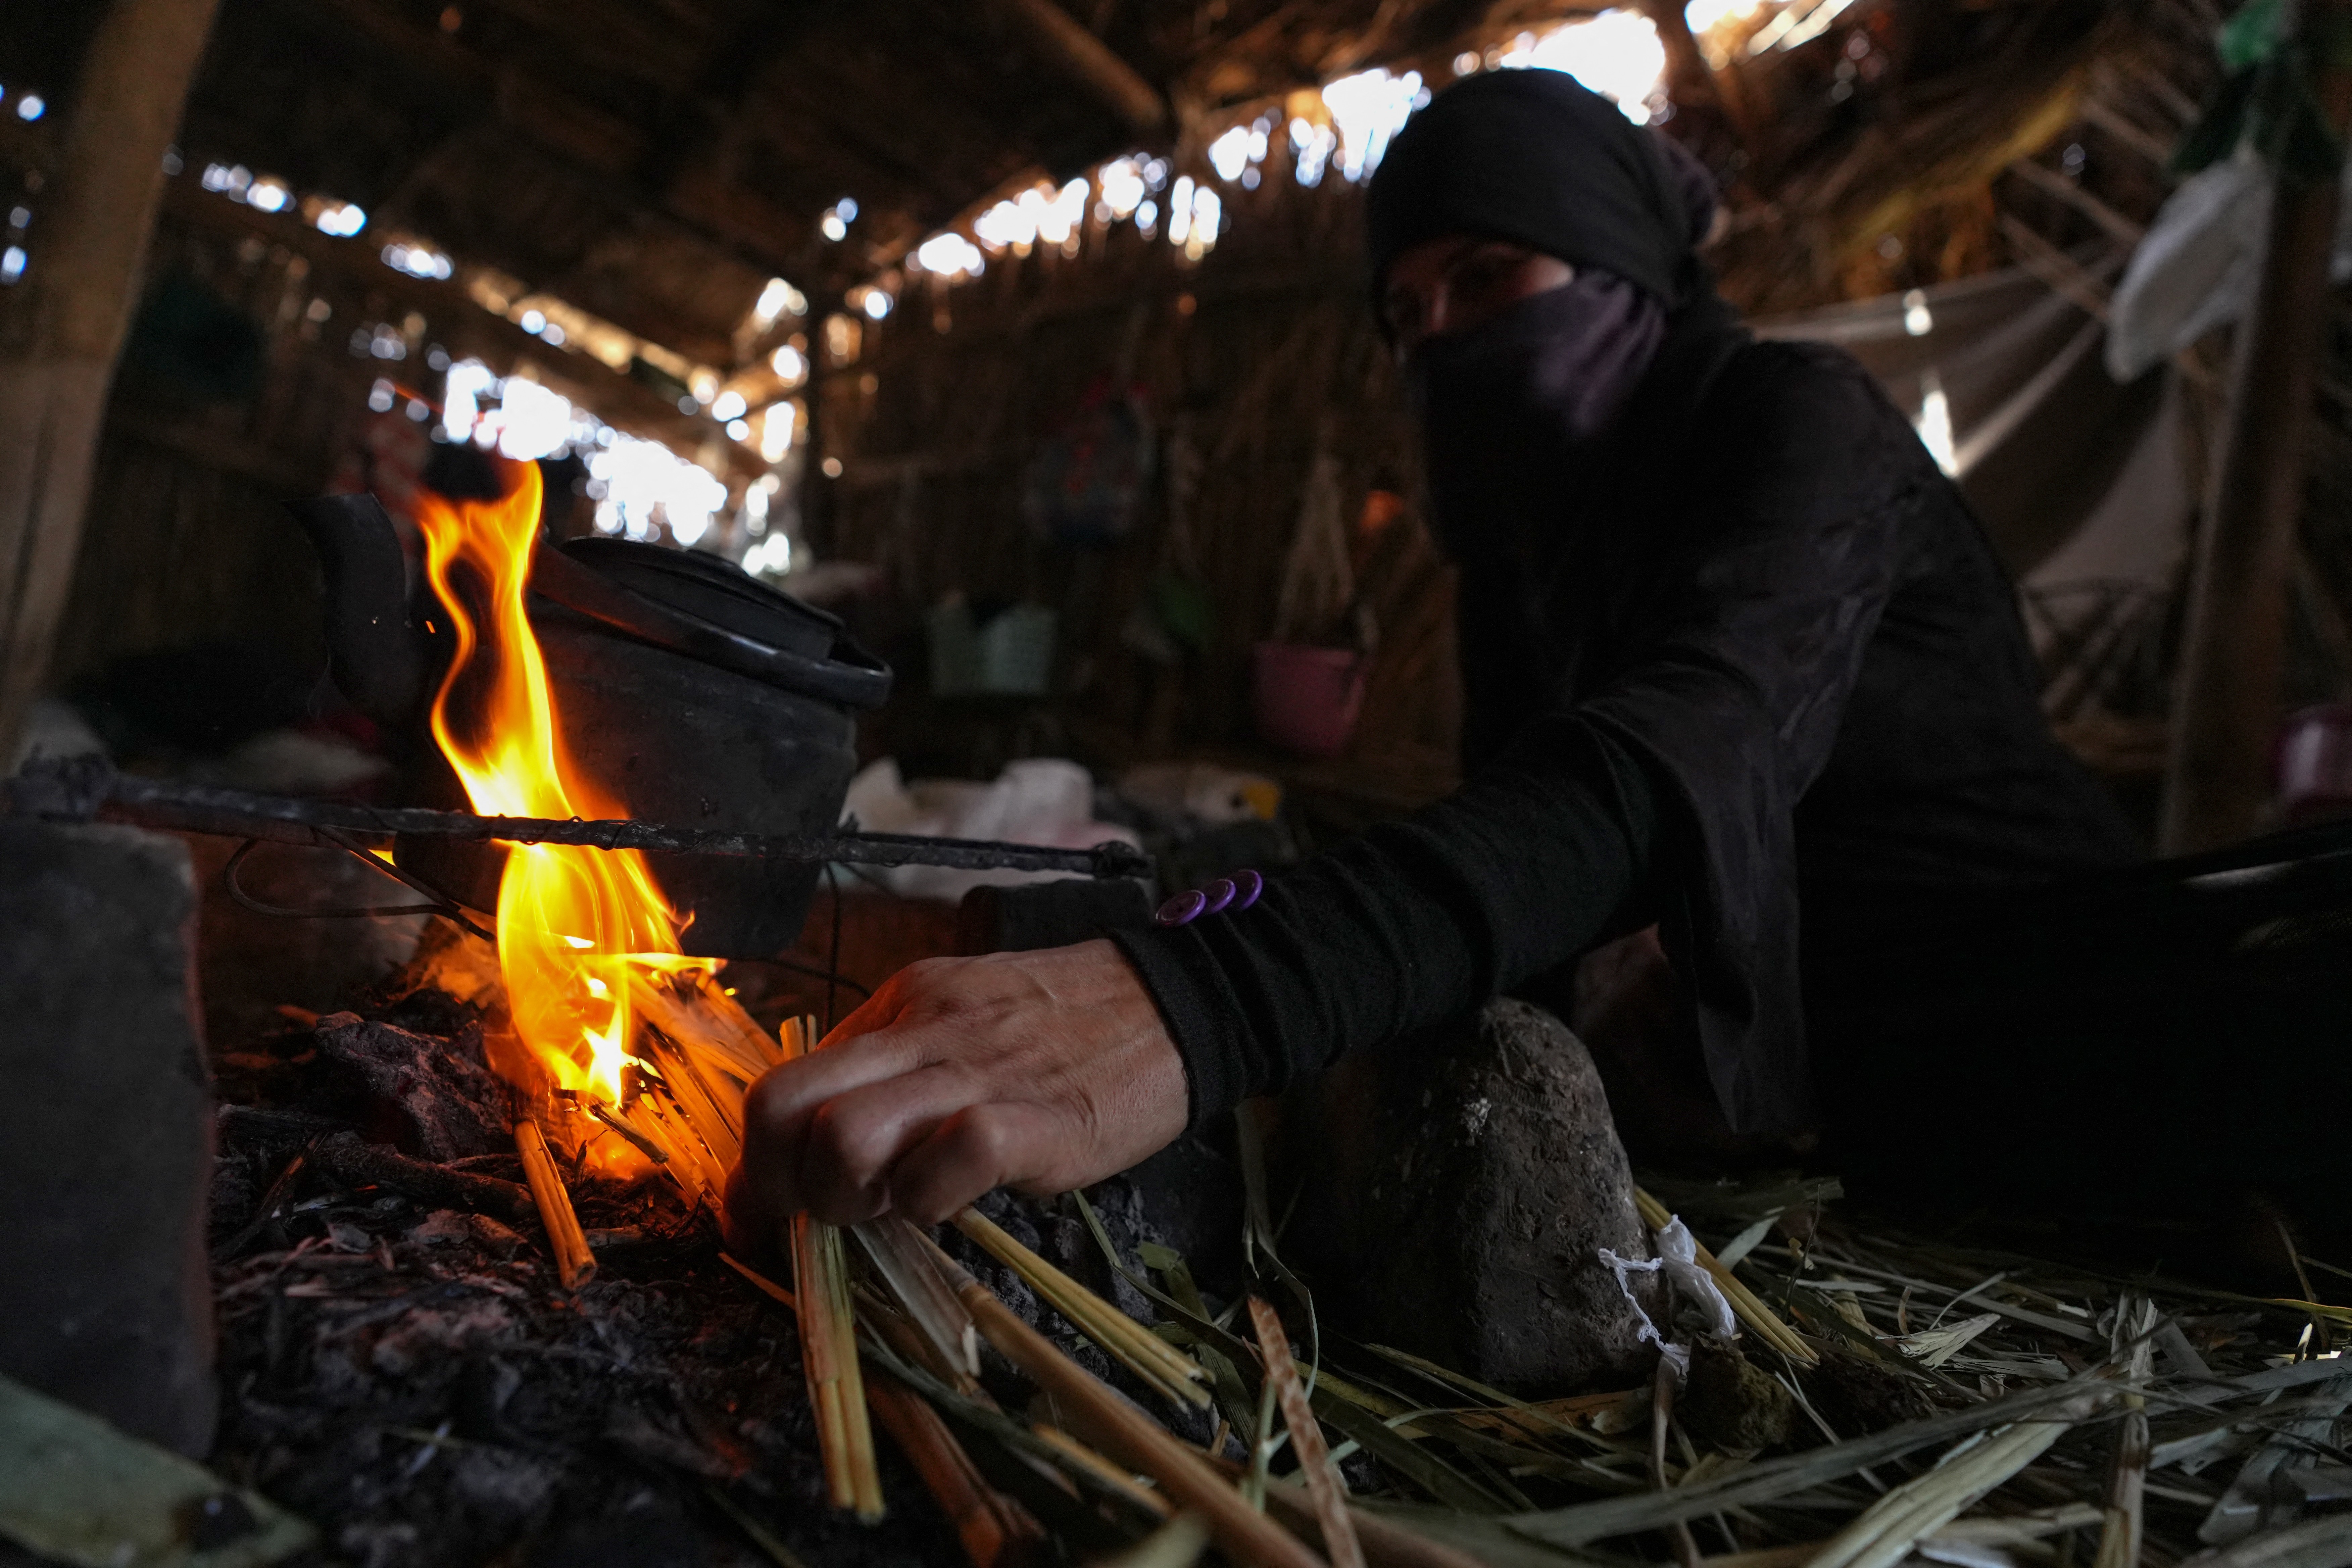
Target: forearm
(1412, 924)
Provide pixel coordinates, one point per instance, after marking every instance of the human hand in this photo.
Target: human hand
(1043, 1070)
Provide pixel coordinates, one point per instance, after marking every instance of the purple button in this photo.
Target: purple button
(1182, 910)
(1247, 886)
(1219, 893)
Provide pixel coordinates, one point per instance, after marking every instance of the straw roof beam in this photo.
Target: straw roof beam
(599, 151)
(629, 40)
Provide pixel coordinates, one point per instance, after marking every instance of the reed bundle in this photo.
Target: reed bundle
(829, 1352)
(1151, 1358)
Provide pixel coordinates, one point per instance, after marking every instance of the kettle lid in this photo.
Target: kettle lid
(713, 589)
(710, 609)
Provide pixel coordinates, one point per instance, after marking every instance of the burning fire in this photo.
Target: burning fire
(636, 1040)
(633, 1038)
(568, 916)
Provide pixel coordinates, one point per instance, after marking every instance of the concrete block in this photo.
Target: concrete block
(252, 963)
(105, 1296)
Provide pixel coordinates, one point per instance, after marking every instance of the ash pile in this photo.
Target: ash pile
(401, 1365)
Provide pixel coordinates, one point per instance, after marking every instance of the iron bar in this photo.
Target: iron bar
(86, 789)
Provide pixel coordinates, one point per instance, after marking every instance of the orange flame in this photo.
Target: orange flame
(570, 919)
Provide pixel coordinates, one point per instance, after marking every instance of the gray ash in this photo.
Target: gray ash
(412, 1379)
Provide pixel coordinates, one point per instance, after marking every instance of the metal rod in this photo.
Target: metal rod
(88, 789)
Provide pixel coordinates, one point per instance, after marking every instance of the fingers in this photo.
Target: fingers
(877, 1011)
(965, 1155)
(821, 1132)
(753, 1230)
(853, 1140)
(779, 1108)
(1036, 1070)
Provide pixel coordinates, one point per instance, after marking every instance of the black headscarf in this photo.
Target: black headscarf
(1515, 408)
(1536, 157)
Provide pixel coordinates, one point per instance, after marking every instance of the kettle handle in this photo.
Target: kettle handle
(375, 652)
(853, 678)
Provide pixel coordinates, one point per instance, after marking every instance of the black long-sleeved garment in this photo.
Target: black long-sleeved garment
(1761, 643)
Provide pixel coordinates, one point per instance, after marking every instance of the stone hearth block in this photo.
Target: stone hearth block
(252, 963)
(1454, 1194)
(105, 1299)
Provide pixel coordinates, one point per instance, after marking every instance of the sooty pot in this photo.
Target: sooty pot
(685, 688)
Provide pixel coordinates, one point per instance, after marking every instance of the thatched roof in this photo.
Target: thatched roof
(656, 163)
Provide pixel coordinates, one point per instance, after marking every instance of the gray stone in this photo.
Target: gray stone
(1453, 1197)
(105, 1299)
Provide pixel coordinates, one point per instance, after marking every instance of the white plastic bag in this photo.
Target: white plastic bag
(1678, 1249)
(1678, 1257)
(2196, 267)
(1046, 801)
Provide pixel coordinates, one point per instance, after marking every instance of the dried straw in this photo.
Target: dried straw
(704, 1018)
(985, 1520)
(1149, 1357)
(1746, 1304)
(982, 1518)
(1892, 1526)
(2120, 1536)
(1314, 1463)
(1123, 1433)
(898, 1254)
(829, 1359)
(574, 1264)
(1113, 1479)
(1385, 1543)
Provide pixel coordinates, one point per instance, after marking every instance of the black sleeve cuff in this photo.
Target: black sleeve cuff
(1187, 988)
(1412, 924)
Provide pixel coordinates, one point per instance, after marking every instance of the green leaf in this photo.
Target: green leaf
(2249, 38)
(1155, 1256)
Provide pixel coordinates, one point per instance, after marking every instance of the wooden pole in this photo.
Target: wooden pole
(80, 283)
(1690, 77)
(2226, 709)
(1060, 41)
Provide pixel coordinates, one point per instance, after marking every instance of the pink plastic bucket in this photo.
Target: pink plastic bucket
(2314, 763)
(1306, 698)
